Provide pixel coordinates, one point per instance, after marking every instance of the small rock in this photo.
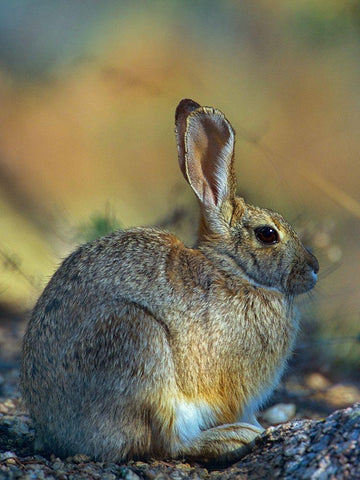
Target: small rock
(9, 403)
(4, 456)
(79, 458)
(316, 381)
(161, 476)
(108, 476)
(279, 413)
(340, 395)
(129, 474)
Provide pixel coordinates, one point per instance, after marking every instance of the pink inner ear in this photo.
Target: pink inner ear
(209, 156)
(196, 176)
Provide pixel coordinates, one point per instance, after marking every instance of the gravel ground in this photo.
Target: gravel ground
(301, 449)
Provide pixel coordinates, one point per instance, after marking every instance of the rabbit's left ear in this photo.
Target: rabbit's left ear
(206, 149)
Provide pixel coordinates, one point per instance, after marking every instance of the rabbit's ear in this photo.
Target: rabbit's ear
(206, 147)
(183, 110)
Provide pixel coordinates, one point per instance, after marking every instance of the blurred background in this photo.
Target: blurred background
(88, 92)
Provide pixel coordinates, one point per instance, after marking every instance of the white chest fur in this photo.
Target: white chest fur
(191, 418)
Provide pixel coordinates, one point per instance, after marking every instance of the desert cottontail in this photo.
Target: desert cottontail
(140, 346)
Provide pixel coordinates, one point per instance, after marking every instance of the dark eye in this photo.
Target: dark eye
(267, 235)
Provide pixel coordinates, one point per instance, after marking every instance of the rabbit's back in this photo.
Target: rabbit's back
(100, 276)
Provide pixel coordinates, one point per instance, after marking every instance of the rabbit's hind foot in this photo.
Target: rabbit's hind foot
(223, 444)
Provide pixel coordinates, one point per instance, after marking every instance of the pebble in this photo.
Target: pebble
(316, 381)
(79, 458)
(279, 413)
(130, 475)
(108, 476)
(5, 456)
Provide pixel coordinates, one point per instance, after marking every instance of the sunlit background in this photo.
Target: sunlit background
(88, 91)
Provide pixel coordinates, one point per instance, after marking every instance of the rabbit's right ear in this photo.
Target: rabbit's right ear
(206, 148)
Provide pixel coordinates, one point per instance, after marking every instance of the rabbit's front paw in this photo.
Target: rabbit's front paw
(226, 443)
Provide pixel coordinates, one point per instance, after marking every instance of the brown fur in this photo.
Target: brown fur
(140, 346)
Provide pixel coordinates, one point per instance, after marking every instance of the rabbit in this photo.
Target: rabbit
(140, 347)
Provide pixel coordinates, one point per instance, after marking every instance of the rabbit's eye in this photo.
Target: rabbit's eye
(267, 235)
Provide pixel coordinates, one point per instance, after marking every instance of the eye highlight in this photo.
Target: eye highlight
(266, 235)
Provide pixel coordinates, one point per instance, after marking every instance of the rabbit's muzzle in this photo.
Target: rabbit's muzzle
(303, 275)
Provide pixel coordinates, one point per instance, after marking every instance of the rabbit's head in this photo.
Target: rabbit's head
(255, 243)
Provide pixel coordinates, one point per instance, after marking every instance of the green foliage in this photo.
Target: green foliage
(321, 25)
(99, 224)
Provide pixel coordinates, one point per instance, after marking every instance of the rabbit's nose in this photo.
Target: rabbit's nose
(313, 261)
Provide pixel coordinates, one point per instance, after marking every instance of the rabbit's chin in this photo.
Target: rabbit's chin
(296, 283)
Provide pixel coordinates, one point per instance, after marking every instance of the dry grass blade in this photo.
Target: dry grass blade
(334, 192)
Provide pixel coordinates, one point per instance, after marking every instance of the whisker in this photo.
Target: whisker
(330, 269)
(329, 341)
